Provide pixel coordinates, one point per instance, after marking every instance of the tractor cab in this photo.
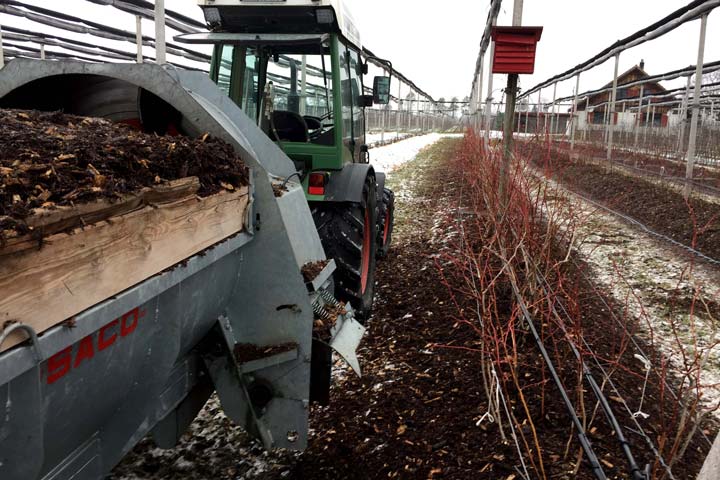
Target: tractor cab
(296, 68)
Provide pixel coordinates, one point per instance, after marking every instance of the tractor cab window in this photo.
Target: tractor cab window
(238, 76)
(287, 92)
(352, 111)
(301, 98)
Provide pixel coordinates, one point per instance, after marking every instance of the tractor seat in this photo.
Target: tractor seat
(289, 127)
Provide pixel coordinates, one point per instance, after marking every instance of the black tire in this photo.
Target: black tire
(348, 233)
(386, 222)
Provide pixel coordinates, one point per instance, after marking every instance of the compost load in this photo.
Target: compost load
(54, 159)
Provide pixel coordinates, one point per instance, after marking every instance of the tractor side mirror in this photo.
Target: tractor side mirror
(381, 90)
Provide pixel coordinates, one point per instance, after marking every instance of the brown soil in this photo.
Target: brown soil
(246, 352)
(415, 412)
(49, 159)
(695, 222)
(655, 164)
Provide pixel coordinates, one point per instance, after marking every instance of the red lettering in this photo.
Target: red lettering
(103, 342)
(127, 328)
(59, 365)
(85, 351)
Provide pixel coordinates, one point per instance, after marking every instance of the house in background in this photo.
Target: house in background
(592, 112)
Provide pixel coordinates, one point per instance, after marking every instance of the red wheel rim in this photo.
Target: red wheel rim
(387, 227)
(365, 264)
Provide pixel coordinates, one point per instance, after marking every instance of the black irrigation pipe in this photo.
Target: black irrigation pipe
(581, 434)
(617, 427)
(636, 37)
(611, 310)
(637, 473)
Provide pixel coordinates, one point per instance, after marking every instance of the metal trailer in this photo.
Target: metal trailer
(153, 354)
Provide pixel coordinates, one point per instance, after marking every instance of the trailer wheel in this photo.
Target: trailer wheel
(348, 233)
(386, 222)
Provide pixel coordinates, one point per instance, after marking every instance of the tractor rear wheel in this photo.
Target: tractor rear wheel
(386, 221)
(348, 233)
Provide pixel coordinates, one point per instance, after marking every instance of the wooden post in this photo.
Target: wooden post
(511, 98)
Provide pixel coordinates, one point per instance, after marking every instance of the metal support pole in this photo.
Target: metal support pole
(611, 128)
(488, 102)
(652, 118)
(575, 117)
(399, 109)
(587, 118)
(481, 79)
(2, 53)
(138, 38)
(519, 121)
(683, 116)
(160, 47)
(539, 111)
(527, 116)
(303, 86)
(696, 106)
(42, 51)
(552, 114)
(638, 117)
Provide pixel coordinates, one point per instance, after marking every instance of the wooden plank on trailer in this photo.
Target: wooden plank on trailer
(71, 272)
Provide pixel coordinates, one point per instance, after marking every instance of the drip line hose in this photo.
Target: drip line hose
(582, 435)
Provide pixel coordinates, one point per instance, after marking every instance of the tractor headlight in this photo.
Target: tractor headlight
(325, 15)
(212, 16)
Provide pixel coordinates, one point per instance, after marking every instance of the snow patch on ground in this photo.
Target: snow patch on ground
(375, 138)
(647, 278)
(388, 158)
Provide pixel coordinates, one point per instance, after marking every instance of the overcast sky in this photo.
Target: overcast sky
(436, 43)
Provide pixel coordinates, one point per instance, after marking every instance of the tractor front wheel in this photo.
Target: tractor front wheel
(349, 236)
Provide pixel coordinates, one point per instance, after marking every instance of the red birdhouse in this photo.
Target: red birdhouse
(515, 49)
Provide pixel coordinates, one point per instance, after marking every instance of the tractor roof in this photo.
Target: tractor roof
(282, 16)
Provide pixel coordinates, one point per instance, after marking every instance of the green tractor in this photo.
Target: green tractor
(296, 67)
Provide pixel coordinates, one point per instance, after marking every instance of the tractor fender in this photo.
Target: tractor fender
(347, 184)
